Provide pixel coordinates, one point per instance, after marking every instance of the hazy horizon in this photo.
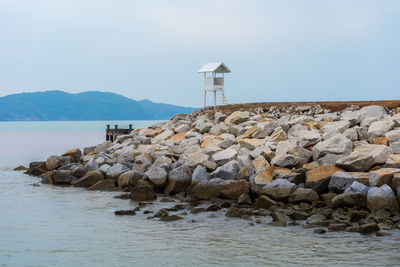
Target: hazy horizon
(276, 50)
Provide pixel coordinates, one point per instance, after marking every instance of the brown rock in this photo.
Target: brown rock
(318, 178)
(142, 193)
(90, 178)
(107, 184)
(380, 141)
(153, 133)
(264, 202)
(260, 164)
(235, 189)
(393, 161)
(382, 176)
(53, 162)
(75, 154)
(92, 153)
(250, 132)
(178, 137)
(266, 176)
(20, 168)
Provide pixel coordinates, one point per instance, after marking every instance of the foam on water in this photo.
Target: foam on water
(66, 226)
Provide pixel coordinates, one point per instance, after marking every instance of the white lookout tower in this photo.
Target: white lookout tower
(214, 81)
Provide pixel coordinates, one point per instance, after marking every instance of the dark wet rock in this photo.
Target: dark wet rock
(320, 231)
(213, 207)
(317, 220)
(382, 176)
(278, 189)
(157, 175)
(177, 207)
(62, 177)
(147, 212)
(178, 179)
(280, 217)
(382, 198)
(124, 212)
(161, 213)
(79, 172)
(381, 233)
(37, 168)
(303, 194)
(107, 184)
(90, 178)
(142, 193)
(171, 218)
(244, 199)
(357, 215)
(226, 204)
(369, 228)
(264, 202)
(166, 199)
(123, 196)
(20, 168)
(198, 210)
(337, 227)
(235, 212)
(353, 228)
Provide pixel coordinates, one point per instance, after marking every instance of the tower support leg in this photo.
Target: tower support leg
(205, 98)
(215, 98)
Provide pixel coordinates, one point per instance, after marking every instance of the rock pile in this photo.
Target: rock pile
(339, 170)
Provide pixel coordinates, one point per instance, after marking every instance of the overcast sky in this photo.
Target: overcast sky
(277, 50)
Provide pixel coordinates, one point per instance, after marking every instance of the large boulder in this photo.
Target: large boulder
(303, 195)
(318, 178)
(89, 179)
(75, 154)
(334, 127)
(356, 161)
(393, 161)
(196, 158)
(309, 138)
(116, 170)
(251, 143)
(380, 153)
(337, 144)
(382, 176)
(355, 194)
(379, 128)
(62, 177)
(218, 187)
(278, 189)
(178, 179)
(53, 162)
(380, 198)
(394, 140)
(227, 171)
(340, 181)
(238, 117)
(157, 175)
(372, 111)
(224, 156)
(264, 202)
(200, 175)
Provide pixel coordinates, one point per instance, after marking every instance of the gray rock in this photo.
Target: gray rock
(353, 117)
(380, 153)
(116, 170)
(356, 161)
(200, 175)
(330, 129)
(379, 128)
(278, 189)
(203, 127)
(351, 133)
(105, 185)
(265, 129)
(224, 156)
(303, 195)
(317, 220)
(157, 175)
(264, 202)
(372, 111)
(338, 145)
(340, 181)
(238, 117)
(356, 194)
(328, 159)
(394, 140)
(380, 198)
(196, 158)
(309, 138)
(182, 128)
(62, 177)
(227, 171)
(178, 179)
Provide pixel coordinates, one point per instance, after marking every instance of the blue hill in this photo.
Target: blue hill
(91, 105)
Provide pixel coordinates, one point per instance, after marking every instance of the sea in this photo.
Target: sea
(65, 226)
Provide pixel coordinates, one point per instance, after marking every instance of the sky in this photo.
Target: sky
(277, 50)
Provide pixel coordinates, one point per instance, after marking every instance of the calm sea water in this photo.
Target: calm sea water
(65, 226)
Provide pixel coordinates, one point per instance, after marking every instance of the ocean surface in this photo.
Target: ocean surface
(65, 226)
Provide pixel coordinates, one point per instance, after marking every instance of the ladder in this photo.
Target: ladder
(222, 97)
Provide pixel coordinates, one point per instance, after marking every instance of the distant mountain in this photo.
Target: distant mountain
(91, 105)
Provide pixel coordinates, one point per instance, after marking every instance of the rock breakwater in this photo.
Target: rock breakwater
(338, 171)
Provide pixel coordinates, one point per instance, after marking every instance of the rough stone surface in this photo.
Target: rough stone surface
(227, 171)
(380, 198)
(318, 179)
(340, 181)
(90, 178)
(225, 156)
(303, 194)
(337, 144)
(178, 179)
(142, 193)
(356, 161)
(356, 194)
(278, 189)
(157, 175)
